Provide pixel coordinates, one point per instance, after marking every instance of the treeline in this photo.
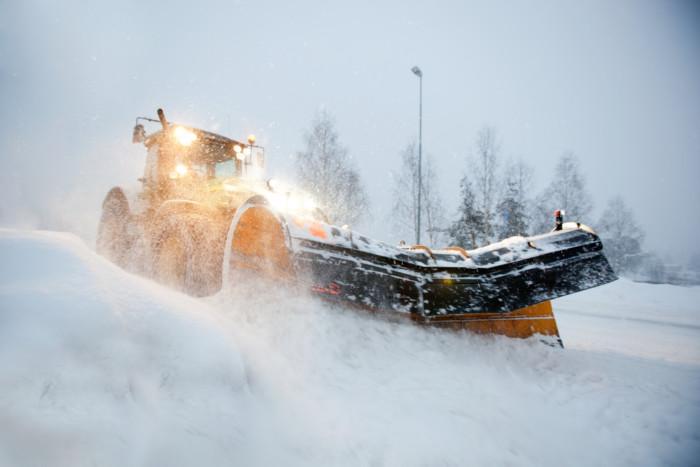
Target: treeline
(497, 199)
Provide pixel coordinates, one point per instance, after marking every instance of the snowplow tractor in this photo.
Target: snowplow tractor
(205, 216)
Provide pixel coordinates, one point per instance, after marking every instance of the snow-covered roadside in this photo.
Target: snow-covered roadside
(660, 322)
(99, 367)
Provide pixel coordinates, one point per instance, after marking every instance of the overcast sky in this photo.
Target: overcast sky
(616, 82)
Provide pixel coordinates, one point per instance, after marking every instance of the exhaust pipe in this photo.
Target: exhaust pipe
(163, 121)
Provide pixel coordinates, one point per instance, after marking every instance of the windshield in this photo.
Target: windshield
(223, 169)
(210, 160)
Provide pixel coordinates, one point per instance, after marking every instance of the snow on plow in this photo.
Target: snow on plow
(205, 215)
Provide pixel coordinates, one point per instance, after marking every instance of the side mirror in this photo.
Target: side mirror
(139, 135)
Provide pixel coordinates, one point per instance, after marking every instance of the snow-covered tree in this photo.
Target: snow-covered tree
(566, 191)
(325, 170)
(512, 217)
(468, 230)
(512, 214)
(621, 235)
(404, 208)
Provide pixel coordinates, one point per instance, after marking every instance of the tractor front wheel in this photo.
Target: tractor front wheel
(186, 253)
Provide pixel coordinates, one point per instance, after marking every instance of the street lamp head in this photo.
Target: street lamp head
(416, 71)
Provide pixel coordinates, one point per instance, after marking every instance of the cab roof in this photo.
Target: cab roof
(210, 146)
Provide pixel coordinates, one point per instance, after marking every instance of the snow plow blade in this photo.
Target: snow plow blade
(504, 288)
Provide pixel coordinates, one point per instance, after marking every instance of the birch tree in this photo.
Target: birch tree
(405, 194)
(622, 237)
(325, 170)
(567, 191)
(484, 168)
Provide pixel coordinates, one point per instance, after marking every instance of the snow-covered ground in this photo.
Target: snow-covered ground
(654, 321)
(100, 367)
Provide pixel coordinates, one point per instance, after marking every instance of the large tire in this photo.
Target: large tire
(186, 251)
(113, 238)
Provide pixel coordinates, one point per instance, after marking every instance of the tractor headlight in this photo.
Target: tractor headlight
(238, 150)
(184, 136)
(180, 171)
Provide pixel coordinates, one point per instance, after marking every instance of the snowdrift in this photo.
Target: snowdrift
(100, 367)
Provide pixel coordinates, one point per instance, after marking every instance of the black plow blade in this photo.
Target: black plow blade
(501, 277)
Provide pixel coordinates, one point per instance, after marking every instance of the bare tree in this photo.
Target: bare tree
(325, 170)
(566, 191)
(432, 205)
(484, 169)
(622, 237)
(405, 192)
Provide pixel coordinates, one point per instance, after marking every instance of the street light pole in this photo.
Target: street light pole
(417, 71)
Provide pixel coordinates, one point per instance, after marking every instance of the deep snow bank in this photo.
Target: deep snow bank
(98, 367)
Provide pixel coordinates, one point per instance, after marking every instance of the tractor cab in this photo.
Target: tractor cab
(181, 157)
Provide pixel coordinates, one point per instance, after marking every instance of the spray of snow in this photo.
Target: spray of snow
(100, 367)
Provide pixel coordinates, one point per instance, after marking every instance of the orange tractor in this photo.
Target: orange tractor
(206, 214)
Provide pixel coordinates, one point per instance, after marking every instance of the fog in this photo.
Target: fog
(617, 83)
